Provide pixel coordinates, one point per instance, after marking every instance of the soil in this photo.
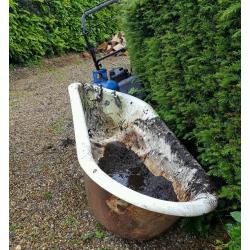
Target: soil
(48, 206)
(124, 166)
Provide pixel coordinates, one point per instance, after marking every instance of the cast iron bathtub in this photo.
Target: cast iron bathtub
(102, 116)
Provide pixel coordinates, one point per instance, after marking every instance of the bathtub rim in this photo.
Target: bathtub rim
(201, 204)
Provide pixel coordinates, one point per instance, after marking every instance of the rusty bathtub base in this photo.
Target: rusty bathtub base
(122, 218)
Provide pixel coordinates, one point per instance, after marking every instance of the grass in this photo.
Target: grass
(58, 126)
(42, 168)
(20, 93)
(78, 61)
(100, 234)
(13, 104)
(71, 220)
(13, 227)
(90, 235)
(87, 236)
(40, 131)
(48, 195)
(60, 77)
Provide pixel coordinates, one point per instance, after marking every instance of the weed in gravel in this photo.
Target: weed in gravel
(87, 236)
(78, 61)
(99, 226)
(20, 93)
(13, 227)
(60, 77)
(48, 195)
(13, 104)
(100, 234)
(42, 168)
(58, 126)
(40, 131)
(51, 69)
(97, 234)
(71, 220)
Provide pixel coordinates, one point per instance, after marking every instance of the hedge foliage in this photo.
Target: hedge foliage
(188, 54)
(51, 27)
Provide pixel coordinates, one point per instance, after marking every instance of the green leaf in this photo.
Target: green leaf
(87, 236)
(100, 234)
(236, 215)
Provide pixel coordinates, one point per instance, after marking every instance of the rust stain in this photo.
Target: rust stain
(133, 141)
(122, 218)
(117, 205)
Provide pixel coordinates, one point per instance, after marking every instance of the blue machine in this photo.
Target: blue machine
(100, 77)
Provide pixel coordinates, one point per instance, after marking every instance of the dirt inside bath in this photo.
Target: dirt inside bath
(124, 166)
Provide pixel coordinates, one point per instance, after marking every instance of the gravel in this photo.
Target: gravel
(48, 207)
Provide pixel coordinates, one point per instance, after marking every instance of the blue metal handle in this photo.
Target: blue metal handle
(93, 10)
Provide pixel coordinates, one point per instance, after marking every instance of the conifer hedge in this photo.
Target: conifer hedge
(188, 55)
(51, 27)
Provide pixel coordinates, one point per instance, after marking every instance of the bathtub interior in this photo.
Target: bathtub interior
(114, 117)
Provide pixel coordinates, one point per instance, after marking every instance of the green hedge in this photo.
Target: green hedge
(188, 54)
(52, 27)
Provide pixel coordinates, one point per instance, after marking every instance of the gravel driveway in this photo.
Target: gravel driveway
(48, 207)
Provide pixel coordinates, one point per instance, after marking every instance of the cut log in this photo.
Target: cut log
(109, 48)
(86, 55)
(102, 47)
(118, 47)
(115, 40)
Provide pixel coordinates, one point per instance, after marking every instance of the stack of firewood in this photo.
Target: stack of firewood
(117, 42)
